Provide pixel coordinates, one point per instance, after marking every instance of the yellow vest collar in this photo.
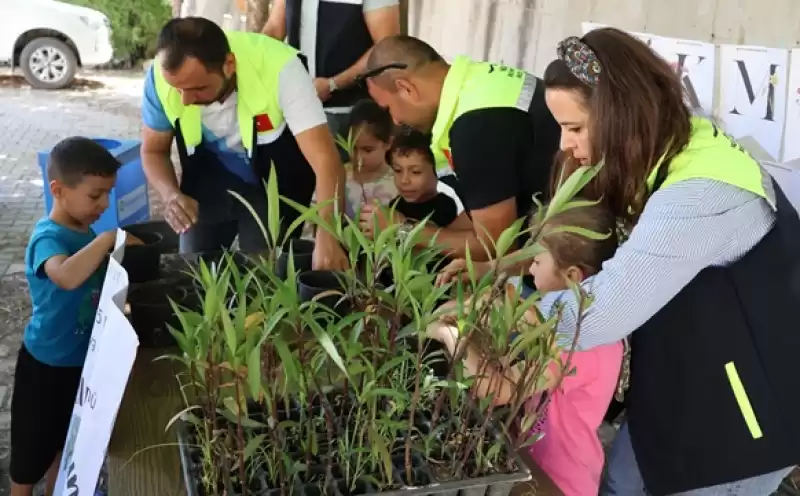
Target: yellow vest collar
(449, 98)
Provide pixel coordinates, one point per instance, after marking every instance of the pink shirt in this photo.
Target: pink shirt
(570, 451)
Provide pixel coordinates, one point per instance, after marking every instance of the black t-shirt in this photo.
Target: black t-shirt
(443, 208)
(504, 152)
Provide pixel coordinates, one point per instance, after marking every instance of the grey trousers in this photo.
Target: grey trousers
(623, 477)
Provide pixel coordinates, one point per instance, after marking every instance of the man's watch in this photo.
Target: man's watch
(332, 86)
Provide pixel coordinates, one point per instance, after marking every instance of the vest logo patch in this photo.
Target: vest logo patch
(263, 123)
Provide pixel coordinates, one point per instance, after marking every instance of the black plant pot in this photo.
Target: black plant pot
(143, 262)
(302, 251)
(169, 239)
(242, 261)
(326, 287)
(151, 312)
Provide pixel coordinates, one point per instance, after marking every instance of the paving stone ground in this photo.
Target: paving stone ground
(30, 121)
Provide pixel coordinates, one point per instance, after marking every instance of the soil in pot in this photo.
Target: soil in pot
(169, 238)
(325, 287)
(143, 262)
(302, 251)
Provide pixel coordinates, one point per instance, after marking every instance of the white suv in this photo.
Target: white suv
(49, 40)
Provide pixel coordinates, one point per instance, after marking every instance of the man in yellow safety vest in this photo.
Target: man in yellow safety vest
(236, 104)
(489, 127)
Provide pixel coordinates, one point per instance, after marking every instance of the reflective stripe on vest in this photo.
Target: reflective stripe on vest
(711, 154)
(474, 85)
(259, 61)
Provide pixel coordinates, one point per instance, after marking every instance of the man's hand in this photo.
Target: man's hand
(328, 253)
(323, 87)
(181, 212)
(373, 215)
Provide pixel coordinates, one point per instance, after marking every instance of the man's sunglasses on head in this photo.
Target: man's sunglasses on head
(361, 79)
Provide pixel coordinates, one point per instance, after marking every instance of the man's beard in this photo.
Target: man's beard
(227, 86)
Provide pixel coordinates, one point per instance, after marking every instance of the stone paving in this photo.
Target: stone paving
(33, 120)
(30, 121)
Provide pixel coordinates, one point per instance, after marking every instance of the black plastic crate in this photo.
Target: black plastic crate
(425, 483)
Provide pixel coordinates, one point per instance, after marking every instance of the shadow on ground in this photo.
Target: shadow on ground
(17, 81)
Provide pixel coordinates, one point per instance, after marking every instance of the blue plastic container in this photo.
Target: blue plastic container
(129, 202)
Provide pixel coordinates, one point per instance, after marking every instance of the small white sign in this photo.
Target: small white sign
(791, 146)
(109, 361)
(753, 104)
(695, 62)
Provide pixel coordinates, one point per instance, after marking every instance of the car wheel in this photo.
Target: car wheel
(48, 63)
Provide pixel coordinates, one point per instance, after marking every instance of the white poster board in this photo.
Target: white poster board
(695, 61)
(108, 365)
(753, 104)
(788, 178)
(791, 146)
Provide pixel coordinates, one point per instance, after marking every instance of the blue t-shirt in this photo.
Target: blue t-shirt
(61, 322)
(220, 129)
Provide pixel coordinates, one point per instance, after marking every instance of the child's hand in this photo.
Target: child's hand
(131, 240)
(108, 238)
(444, 333)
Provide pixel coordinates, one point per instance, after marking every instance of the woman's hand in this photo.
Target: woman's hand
(457, 270)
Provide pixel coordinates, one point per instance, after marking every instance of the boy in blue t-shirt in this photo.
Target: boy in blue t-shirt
(64, 262)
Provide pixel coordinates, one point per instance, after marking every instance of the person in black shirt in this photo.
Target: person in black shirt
(488, 120)
(421, 194)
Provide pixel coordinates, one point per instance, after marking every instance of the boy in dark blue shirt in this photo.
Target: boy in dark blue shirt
(65, 262)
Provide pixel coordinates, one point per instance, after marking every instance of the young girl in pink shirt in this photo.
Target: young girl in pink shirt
(569, 450)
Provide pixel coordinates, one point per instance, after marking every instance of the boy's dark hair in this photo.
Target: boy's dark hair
(407, 141)
(377, 119)
(74, 158)
(195, 37)
(568, 248)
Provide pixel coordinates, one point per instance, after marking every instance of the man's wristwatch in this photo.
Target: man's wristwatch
(332, 86)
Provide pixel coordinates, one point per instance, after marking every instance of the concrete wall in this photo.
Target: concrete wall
(524, 33)
(230, 14)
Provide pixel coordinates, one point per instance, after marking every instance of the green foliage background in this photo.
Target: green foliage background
(135, 24)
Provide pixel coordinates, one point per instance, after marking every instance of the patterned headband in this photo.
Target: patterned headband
(580, 59)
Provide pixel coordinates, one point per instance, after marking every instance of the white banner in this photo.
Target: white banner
(753, 104)
(108, 365)
(696, 64)
(791, 146)
(694, 60)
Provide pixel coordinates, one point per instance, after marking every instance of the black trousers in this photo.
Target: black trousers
(222, 216)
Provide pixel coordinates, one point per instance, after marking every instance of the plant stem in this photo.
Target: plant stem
(474, 439)
(240, 434)
(460, 351)
(411, 414)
